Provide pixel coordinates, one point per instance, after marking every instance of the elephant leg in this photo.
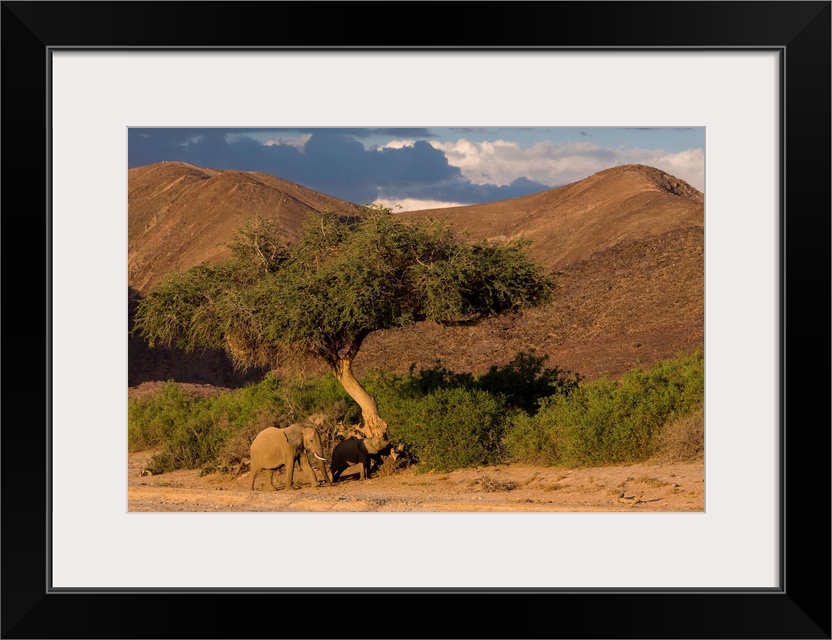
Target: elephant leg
(363, 463)
(271, 480)
(290, 475)
(325, 474)
(254, 473)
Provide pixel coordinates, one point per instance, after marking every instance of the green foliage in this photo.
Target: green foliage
(522, 383)
(525, 383)
(257, 248)
(608, 422)
(446, 420)
(187, 429)
(187, 310)
(192, 432)
(150, 420)
(346, 277)
(448, 428)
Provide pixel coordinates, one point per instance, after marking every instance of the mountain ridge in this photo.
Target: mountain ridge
(181, 215)
(626, 246)
(625, 202)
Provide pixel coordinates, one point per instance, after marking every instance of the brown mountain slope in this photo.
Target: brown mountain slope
(569, 223)
(180, 215)
(626, 245)
(640, 301)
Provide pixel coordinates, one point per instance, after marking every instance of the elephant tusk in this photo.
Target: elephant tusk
(318, 457)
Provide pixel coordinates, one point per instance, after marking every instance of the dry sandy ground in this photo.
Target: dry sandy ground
(654, 486)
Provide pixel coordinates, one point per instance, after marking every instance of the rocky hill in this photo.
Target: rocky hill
(181, 215)
(626, 246)
(572, 222)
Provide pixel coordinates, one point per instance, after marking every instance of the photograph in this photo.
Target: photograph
(502, 322)
(427, 319)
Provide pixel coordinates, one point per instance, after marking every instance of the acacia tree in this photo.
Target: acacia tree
(322, 296)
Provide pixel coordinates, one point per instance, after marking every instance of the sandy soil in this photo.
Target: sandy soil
(653, 486)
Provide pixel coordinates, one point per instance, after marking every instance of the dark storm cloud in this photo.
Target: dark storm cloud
(420, 163)
(340, 166)
(147, 146)
(332, 161)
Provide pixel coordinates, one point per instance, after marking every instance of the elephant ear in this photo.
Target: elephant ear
(294, 436)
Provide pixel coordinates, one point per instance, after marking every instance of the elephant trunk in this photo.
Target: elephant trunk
(321, 466)
(325, 474)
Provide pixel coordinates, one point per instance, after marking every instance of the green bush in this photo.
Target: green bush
(447, 428)
(606, 421)
(523, 382)
(187, 429)
(445, 420)
(215, 432)
(150, 420)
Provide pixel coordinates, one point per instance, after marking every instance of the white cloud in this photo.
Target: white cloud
(411, 204)
(397, 144)
(299, 142)
(554, 163)
(688, 165)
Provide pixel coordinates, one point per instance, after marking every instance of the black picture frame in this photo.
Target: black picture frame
(800, 608)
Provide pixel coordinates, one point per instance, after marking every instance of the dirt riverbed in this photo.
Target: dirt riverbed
(650, 486)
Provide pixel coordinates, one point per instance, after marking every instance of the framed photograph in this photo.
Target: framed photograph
(752, 77)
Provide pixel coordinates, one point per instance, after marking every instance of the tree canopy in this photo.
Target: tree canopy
(322, 296)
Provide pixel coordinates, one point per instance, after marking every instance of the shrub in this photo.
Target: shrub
(523, 382)
(150, 420)
(215, 433)
(683, 439)
(448, 428)
(444, 420)
(609, 422)
(193, 442)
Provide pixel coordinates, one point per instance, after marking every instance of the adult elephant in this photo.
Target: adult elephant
(274, 448)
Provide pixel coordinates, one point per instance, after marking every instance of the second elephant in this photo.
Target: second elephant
(274, 448)
(358, 451)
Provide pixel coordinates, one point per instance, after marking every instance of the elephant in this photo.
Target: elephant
(274, 448)
(356, 451)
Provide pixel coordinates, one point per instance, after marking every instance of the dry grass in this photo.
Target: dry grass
(530, 480)
(653, 482)
(488, 484)
(390, 465)
(684, 439)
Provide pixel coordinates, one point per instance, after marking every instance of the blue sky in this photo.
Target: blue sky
(416, 168)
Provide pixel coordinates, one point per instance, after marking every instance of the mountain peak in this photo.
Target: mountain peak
(653, 179)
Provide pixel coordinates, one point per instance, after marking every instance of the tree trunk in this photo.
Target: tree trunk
(374, 425)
